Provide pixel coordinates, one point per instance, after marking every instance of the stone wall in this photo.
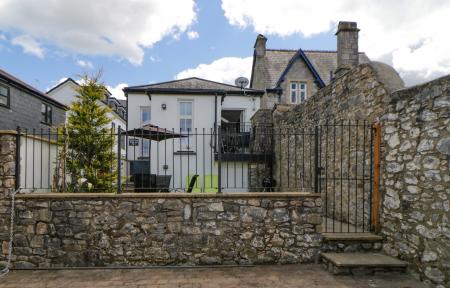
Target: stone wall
(78, 230)
(358, 95)
(416, 174)
(261, 143)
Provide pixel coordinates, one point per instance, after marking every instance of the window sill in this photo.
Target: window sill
(47, 124)
(184, 153)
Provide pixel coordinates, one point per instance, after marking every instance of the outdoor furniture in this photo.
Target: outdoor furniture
(162, 183)
(211, 183)
(144, 182)
(192, 183)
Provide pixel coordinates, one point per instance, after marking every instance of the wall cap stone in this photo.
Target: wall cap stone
(168, 195)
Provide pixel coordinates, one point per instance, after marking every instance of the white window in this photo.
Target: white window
(298, 92)
(146, 117)
(186, 123)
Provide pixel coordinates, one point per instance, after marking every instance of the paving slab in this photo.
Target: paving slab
(280, 276)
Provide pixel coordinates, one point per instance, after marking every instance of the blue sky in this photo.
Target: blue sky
(33, 48)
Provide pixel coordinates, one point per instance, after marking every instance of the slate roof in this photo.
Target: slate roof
(28, 88)
(190, 85)
(276, 60)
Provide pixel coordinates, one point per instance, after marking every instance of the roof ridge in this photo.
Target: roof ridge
(308, 50)
(184, 79)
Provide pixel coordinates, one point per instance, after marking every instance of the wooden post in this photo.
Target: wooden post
(376, 197)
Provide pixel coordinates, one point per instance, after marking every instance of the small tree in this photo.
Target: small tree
(90, 158)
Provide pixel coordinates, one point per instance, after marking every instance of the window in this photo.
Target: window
(298, 92)
(113, 127)
(46, 111)
(186, 124)
(146, 117)
(4, 96)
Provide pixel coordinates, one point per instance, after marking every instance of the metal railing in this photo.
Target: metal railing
(334, 159)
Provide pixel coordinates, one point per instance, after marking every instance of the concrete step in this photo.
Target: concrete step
(351, 242)
(358, 236)
(362, 263)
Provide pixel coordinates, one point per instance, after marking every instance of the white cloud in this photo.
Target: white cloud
(104, 27)
(192, 35)
(411, 33)
(224, 70)
(29, 45)
(85, 64)
(2, 37)
(117, 90)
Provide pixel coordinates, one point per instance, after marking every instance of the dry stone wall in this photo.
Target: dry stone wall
(416, 174)
(97, 230)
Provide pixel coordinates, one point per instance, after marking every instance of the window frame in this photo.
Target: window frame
(298, 91)
(8, 96)
(149, 110)
(185, 140)
(47, 116)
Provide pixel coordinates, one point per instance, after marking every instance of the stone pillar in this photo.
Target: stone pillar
(7, 162)
(7, 184)
(347, 47)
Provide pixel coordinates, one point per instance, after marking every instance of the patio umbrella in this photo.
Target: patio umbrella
(152, 132)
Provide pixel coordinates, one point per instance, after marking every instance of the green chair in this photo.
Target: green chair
(211, 184)
(193, 184)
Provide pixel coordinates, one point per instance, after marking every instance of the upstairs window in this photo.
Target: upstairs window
(298, 92)
(145, 115)
(4, 95)
(46, 111)
(186, 122)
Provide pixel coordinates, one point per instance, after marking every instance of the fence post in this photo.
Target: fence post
(17, 168)
(376, 197)
(219, 159)
(119, 162)
(316, 159)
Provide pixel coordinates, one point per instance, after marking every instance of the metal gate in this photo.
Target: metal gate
(347, 163)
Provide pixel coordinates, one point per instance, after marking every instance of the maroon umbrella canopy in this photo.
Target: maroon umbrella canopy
(152, 132)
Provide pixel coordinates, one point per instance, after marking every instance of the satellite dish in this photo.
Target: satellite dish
(241, 82)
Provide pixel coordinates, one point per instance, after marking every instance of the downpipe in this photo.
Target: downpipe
(5, 271)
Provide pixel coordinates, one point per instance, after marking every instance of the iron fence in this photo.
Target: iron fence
(334, 159)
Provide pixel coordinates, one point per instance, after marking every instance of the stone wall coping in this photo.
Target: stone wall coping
(8, 132)
(281, 195)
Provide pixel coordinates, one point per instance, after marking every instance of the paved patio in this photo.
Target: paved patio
(223, 277)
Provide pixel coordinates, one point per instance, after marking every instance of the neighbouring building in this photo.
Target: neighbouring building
(199, 109)
(66, 91)
(291, 76)
(22, 105)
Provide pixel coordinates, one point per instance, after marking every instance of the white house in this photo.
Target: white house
(202, 110)
(66, 91)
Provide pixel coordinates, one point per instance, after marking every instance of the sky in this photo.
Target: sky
(137, 42)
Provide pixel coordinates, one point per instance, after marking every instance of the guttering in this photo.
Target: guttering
(194, 91)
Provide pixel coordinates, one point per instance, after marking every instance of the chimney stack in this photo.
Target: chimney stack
(347, 46)
(260, 46)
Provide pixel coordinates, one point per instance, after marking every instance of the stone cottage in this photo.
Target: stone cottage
(291, 76)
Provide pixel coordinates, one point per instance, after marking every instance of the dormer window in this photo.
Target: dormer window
(298, 92)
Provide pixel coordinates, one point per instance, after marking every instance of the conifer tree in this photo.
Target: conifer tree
(90, 157)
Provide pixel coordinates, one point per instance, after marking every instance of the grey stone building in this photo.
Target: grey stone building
(291, 76)
(25, 106)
